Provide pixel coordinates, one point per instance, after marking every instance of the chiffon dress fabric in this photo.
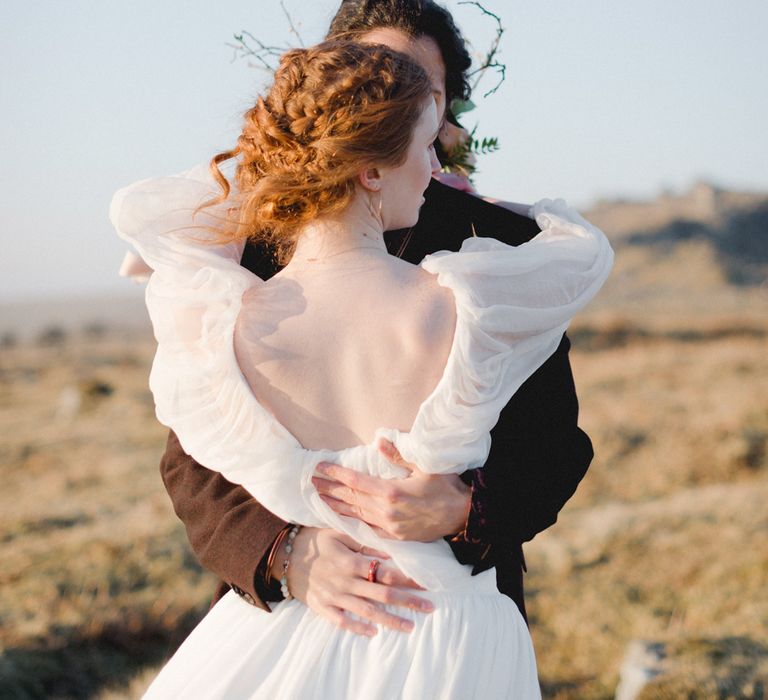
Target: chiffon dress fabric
(512, 306)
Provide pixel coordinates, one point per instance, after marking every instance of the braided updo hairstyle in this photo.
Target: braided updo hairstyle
(333, 110)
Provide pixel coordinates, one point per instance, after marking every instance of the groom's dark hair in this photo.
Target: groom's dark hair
(416, 18)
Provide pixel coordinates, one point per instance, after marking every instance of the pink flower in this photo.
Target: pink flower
(452, 136)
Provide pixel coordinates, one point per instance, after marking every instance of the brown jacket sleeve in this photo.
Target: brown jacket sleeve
(230, 532)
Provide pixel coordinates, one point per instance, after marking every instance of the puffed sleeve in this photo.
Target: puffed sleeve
(513, 304)
(194, 297)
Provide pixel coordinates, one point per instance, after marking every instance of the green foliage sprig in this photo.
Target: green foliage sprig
(461, 159)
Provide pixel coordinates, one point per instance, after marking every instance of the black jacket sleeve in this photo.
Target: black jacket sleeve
(538, 457)
(538, 453)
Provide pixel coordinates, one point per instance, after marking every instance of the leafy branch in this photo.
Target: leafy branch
(294, 31)
(491, 58)
(462, 158)
(266, 56)
(248, 46)
(486, 145)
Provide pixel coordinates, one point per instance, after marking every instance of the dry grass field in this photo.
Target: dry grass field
(667, 539)
(664, 544)
(96, 577)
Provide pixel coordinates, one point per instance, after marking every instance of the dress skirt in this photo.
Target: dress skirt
(474, 645)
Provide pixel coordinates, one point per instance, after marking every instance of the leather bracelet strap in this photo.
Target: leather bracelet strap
(273, 553)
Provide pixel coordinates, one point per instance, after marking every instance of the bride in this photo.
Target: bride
(345, 346)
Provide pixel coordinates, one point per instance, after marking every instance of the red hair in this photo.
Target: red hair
(332, 110)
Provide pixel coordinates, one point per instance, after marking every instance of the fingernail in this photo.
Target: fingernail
(322, 468)
(370, 632)
(406, 625)
(427, 606)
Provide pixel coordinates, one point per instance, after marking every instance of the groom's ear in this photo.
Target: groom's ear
(370, 178)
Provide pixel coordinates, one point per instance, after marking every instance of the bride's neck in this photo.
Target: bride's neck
(357, 229)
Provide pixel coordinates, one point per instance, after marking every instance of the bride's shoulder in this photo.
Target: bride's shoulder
(433, 306)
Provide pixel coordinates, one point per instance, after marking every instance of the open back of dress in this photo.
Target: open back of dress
(336, 349)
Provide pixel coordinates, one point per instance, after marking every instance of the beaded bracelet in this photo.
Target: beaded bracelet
(276, 545)
(287, 561)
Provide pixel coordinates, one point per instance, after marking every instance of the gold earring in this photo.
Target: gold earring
(371, 209)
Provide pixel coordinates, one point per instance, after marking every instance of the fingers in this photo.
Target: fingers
(337, 587)
(341, 508)
(392, 454)
(338, 617)
(357, 548)
(357, 564)
(374, 553)
(349, 477)
(368, 610)
(386, 595)
(382, 533)
(394, 598)
(395, 578)
(356, 503)
(386, 525)
(368, 607)
(385, 575)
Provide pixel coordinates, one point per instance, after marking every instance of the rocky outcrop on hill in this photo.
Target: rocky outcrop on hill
(703, 203)
(734, 225)
(739, 238)
(683, 261)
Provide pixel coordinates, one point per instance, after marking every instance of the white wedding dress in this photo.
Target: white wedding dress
(513, 305)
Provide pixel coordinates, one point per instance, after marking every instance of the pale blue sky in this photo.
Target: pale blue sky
(602, 98)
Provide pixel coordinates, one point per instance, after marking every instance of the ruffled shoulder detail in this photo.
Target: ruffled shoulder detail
(513, 306)
(194, 297)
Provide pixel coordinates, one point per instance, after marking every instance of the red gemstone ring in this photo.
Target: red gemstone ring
(373, 567)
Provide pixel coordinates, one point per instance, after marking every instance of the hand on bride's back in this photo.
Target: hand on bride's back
(328, 572)
(420, 507)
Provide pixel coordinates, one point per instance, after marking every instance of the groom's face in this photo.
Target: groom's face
(424, 50)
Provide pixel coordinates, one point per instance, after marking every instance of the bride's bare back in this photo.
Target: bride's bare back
(346, 338)
(337, 350)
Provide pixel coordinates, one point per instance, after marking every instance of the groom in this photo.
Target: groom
(538, 453)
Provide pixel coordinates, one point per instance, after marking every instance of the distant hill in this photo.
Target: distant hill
(46, 318)
(704, 203)
(701, 252)
(739, 237)
(734, 224)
